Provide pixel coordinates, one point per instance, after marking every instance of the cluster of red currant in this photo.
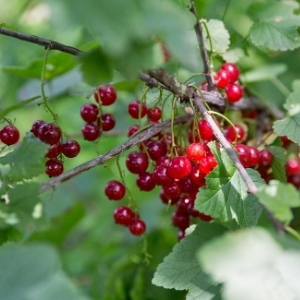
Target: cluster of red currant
(92, 114)
(50, 134)
(9, 135)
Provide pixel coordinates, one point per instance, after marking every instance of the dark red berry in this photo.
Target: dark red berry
(292, 166)
(294, 179)
(161, 175)
(145, 182)
(156, 149)
(195, 151)
(90, 132)
(234, 92)
(137, 110)
(108, 94)
(70, 148)
(36, 126)
(188, 186)
(231, 135)
(285, 141)
(132, 130)
(172, 190)
(265, 157)
(49, 133)
(232, 71)
(221, 79)
(137, 162)
(154, 114)
(123, 215)
(166, 200)
(181, 220)
(179, 167)
(205, 130)
(137, 227)
(163, 161)
(108, 122)
(89, 112)
(204, 217)
(181, 234)
(115, 190)
(185, 204)
(54, 167)
(54, 150)
(9, 135)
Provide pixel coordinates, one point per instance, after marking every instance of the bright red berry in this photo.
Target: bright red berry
(254, 156)
(108, 122)
(197, 176)
(265, 157)
(49, 133)
(232, 70)
(154, 114)
(136, 109)
(89, 112)
(54, 167)
(195, 151)
(234, 92)
(292, 166)
(205, 130)
(179, 167)
(70, 148)
(123, 215)
(137, 162)
(108, 94)
(222, 79)
(137, 227)
(115, 190)
(9, 135)
(90, 132)
(244, 154)
(231, 135)
(207, 164)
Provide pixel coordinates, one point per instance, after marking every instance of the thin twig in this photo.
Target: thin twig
(200, 38)
(101, 159)
(40, 41)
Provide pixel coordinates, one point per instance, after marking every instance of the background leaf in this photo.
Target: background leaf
(278, 162)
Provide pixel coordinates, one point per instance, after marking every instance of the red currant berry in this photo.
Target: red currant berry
(231, 135)
(254, 156)
(244, 154)
(161, 175)
(9, 135)
(265, 157)
(185, 204)
(54, 150)
(207, 164)
(145, 182)
(181, 220)
(137, 227)
(232, 70)
(292, 166)
(49, 133)
(54, 167)
(195, 151)
(70, 148)
(204, 217)
(36, 126)
(89, 112)
(222, 79)
(294, 179)
(188, 186)
(137, 162)
(197, 176)
(234, 92)
(137, 110)
(172, 190)
(285, 141)
(154, 114)
(181, 235)
(179, 167)
(156, 149)
(132, 130)
(163, 161)
(205, 130)
(123, 215)
(115, 190)
(90, 132)
(203, 86)
(166, 200)
(108, 122)
(108, 94)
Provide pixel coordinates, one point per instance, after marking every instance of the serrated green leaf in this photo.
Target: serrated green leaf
(279, 198)
(7, 110)
(57, 64)
(251, 266)
(266, 72)
(26, 160)
(278, 162)
(233, 55)
(219, 36)
(290, 126)
(275, 26)
(180, 269)
(96, 67)
(196, 293)
(35, 272)
(225, 195)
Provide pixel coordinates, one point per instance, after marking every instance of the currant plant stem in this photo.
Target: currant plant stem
(292, 232)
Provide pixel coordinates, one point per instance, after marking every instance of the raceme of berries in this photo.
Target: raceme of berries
(107, 93)
(9, 135)
(136, 109)
(115, 190)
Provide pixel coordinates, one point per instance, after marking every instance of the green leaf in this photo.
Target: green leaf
(252, 266)
(265, 72)
(35, 272)
(180, 269)
(138, 290)
(279, 198)
(275, 26)
(290, 126)
(57, 64)
(278, 162)
(219, 36)
(225, 195)
(6, 111)
(8, 26)
(96, 67)
(26, 160)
